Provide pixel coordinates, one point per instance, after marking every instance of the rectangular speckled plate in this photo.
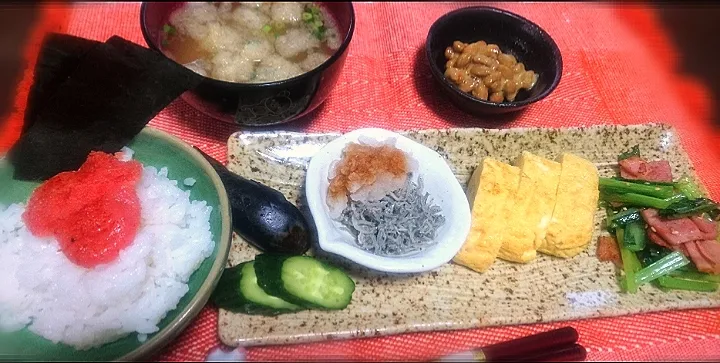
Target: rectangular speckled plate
(453, 297)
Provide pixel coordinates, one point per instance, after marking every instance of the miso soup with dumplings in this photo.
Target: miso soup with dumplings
(246, 42)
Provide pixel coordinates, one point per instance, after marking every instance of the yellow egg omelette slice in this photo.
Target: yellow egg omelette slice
(546, 175)
(572, 222)
(490, 187)
(518, 238)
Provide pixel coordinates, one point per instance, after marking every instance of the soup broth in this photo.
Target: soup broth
(250, 42)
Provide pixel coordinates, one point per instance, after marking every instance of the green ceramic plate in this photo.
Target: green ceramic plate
(156, 148)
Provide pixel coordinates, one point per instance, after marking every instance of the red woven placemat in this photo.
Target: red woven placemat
(619, 69)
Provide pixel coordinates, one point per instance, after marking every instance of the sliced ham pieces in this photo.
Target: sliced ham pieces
(678, 231)
(693, 236)
(705, 226)
(636, 168)
(655, 238)
(702, 263)
(710, 249)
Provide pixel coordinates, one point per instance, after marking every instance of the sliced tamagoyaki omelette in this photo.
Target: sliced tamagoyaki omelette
(489, 189)
(571, 226)
(518, 239)
(546, 175)
(542, 205)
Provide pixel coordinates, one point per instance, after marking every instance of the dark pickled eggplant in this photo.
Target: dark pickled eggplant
(262, 216)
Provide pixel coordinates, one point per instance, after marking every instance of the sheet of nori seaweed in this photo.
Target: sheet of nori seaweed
(115, 90)
(59, 55)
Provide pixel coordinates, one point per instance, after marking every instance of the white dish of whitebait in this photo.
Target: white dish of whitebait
(438, 182)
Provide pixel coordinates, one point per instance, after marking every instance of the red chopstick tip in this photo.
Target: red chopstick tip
(573, 353)
(533, 345)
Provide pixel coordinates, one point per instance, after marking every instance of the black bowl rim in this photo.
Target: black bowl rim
(319, 69)
(499, 12)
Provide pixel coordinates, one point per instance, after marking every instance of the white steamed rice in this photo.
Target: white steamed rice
(86, 308)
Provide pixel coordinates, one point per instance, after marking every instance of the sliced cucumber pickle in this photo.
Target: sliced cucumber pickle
(304, 280)
(238, 291)
(253, 292)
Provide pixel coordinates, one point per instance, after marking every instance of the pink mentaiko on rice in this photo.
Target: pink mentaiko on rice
(41, 289)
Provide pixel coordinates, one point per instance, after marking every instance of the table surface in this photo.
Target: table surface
(619, 68)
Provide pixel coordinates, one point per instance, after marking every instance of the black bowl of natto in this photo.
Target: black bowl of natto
(514, 35)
